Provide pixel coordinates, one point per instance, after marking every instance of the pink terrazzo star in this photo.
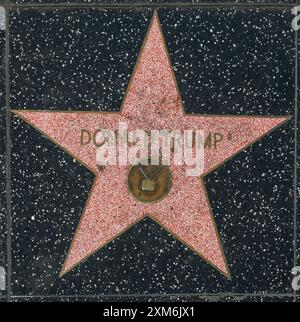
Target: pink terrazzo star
(152, 102)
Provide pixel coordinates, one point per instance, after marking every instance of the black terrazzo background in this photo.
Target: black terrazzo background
(156, 298)
(137, 2)
(2, 159)
(232, 61)
(298, 175)
(226, 62)
(79, 59)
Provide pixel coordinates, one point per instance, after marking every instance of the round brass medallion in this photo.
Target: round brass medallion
(149, 183)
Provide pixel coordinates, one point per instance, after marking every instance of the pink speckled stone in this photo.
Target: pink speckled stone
(152, 102)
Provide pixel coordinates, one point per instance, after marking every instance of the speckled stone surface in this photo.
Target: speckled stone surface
(3, 229)
(164, 298)
(226, 61)
(143, 2)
